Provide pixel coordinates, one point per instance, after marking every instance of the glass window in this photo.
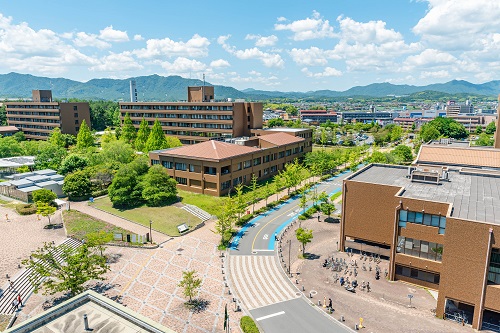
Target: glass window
(418, 218)
(401, 243)
(403, 215)
(432, 251)
(416, 248)
(442, 222)
(435, 221)
(411, 216)
(427, 219)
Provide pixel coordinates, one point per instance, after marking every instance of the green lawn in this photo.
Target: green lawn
(208, 203)
(79, 224)
(165, 219)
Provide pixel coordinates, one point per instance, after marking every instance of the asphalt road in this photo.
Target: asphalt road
(257, 239)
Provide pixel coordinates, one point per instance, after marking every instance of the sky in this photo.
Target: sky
(293, 45)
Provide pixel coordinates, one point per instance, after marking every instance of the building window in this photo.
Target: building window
(494, 268)
(422, 218)
(238, 166)
(225, 170)
(274, 168)
(266, 171)
(76, 121)
(247, 164)
(75, 107)
(288, 152)
(154, 162)
(195, 183)
(266, 158)
(256, 161)
(281, 154)
(77, 128)
(180, 166)
(237, 181)
(417, 274)
(76, 114)
(168, 164)
(210, 171)
(420, 248)
(225, 185)
(181, 180)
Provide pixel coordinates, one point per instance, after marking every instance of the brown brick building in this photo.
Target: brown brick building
(214, 167)
(36, 119)
(200, 118)
(437, 225)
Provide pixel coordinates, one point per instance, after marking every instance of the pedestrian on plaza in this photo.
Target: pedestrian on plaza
(19, 299)
(11, 284)
(275, 236)
(15, 304)
(368, 286)
(330, 304)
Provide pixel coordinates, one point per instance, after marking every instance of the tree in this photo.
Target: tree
(56, 137)
(490, 128)
(448, 128)
(158, 188)
(77, 184)
(84, 139)
(396, 133)
(19, 136)
(9, 147)
(378, 157)
(275, 122)
(69, 140)
(97, 240)
(3, 115)
(479, 129)
(73, 162)
(142, 135)
(156, 139)
(117, 151)
(278, 182)
(64, 269)
(173, 141)
(303, 200)
(429, 132)
(45, 209)
(108, 136)
(225, 221)
(239, 202)
(22, 169)
(484, 140)
(268, 191)
(128, 133)
(403, 153)
(125, 189)
(191, 283)
(304, 236)
(327, 208)
(44, 195)
(49, 156)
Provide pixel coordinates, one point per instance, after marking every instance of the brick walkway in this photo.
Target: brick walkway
(146, 281)
(384, 309)
(83, 207)
(22, 235)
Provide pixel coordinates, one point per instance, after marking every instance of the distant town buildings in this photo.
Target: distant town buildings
(316, 117)
(37, 118)
(199, 119)
(453, 108)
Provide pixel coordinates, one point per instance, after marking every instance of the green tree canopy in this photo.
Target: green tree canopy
(190, 283)
(64, 269)
(448, 127)
(403, 153)
(173, 141)
(117, 151)
(142, 135)
(73, 162)
(84, 139)
(9, 147)
(44, 195)
(56, 137)
(77, 184)
(156, 139)
(128, 133)
(49, 156)
(484, 140)
(304, 236)
(276, 122)
(158, 187)
(429, 132)
(490, 128)
(45, 209)
(125, 189)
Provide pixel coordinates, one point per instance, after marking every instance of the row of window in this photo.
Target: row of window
(422, 218)
(36, 120)
(178, 107)
(420, 249)
(33, 106)
(494, 268)
(35, 126)
(181, 116)
(44, 114)
(417, 274)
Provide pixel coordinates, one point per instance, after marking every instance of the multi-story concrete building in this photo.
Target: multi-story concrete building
(317, 116)
(215, 167)
(200, 118)
(437, 222)
(37, 119)
(379, 117)
(453, 108)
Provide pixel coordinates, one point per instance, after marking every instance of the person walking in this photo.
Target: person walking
(330, 304)
(11, 285)
(15, 304)
(19, 299)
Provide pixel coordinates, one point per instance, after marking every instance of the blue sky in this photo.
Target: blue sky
(297, 45)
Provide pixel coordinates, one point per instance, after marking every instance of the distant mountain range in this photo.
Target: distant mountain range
(173, 88)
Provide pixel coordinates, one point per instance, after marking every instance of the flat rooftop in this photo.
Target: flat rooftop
(473, 196)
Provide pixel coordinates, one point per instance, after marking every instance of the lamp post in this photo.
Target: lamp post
(289, 254)
(150, 232)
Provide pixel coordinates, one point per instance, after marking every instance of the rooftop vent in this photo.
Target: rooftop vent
(430, 175)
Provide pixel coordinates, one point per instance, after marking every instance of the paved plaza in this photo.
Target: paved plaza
(385, 308)
(146, 281)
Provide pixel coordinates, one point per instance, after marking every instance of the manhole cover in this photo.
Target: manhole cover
(254, 252)
(313, 292)
(298, 294)
(180, 249)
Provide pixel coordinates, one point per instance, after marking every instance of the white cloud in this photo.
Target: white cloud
(327, 72)
(111, 35)
(310, 28)
(138, 37)
(195, 47)
(312, 56)
(281, 19)
(183, 65)
(219, 63)
(268, 59)
(435, 75)
(83, 39)
(263, 41)
(254, 78)
(369, 32)
(430, 58)
(66, 35)
(117, 62)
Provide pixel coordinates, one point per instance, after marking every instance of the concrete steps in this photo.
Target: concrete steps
(198, 212)
(23, 285)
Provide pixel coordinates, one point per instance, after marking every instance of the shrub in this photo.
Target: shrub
(26, 209)
(248, 325)
(302, 217)
(99, 193)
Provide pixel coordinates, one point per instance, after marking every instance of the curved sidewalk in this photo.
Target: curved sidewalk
(83, 207)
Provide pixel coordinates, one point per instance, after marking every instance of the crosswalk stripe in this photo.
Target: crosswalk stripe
(259, 283)
(266, 284)
(249, 297)
(251, 279)
(277, 278)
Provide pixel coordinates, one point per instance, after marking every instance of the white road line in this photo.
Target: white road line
(270, 316)
(258, 282)
(274, 275)
(263, 250)
(265, 282)
(246, 295)
(252, 279)
(282, 283)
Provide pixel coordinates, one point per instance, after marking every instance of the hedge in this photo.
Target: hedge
(248, 325)
(26, 209)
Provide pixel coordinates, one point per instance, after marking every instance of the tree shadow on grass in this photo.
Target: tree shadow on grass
(197, 305)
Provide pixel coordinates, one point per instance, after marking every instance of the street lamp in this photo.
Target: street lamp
(289, 253)
(150, 232)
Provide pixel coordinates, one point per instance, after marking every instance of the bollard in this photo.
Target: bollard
(310, 295)
(225, 284)
(229, 291)
(296, 281)
(6, 276)
(234, 300)
(86, 322)
(319, 303)
(18, 265)
(342, 318)
(355, 327)
(222, 271)
(303, 289)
